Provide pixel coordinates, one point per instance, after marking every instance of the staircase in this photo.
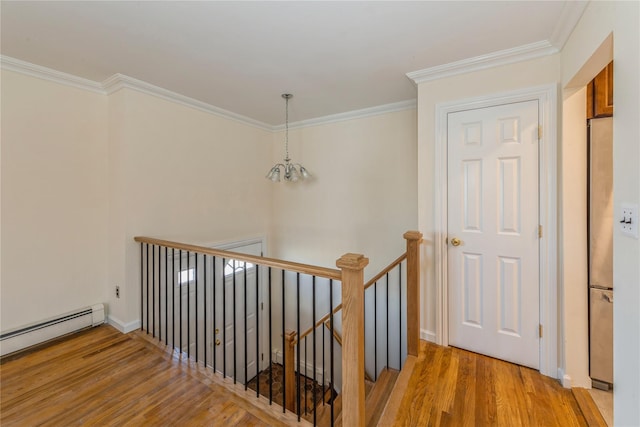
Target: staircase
(376, 398)
(189, 295)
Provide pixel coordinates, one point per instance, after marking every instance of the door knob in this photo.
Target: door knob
(217, 342)
(455, 241)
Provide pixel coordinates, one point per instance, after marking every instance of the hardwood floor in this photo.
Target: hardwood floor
(102, 377)
(453, 387)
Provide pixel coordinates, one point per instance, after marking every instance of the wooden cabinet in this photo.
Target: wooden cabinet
(600, 94)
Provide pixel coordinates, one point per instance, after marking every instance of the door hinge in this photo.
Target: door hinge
(261, 306)
(539, 132)
(539, 230)
(540, 331)
(261, 356)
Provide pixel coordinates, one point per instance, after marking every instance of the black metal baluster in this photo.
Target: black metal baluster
(195, 273)
(188, 304)
(153, 291)
(258, 317)
(147, 296)
(166, 295)
(324, 369)
(142, 286)
(387, 276)
(204, 308)
(224, 319)
(306, 363)
(235, 340)
(173, 299)
(159, 317)
(375, 331)
(400, 316)
(313, 322)
(284, 364)
(213, 315)
(246, 318)
(298, 336)
(180, 300)
(331, 347)
(270, 346)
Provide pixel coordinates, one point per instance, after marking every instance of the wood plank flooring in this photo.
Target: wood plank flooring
(102, 377)
(453, 387)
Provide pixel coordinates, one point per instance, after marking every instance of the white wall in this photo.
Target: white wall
(582, 58)
(536, 72)
(54, 199)
(179, 174)
(362, 198)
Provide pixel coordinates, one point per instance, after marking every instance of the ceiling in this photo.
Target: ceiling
(240, 56)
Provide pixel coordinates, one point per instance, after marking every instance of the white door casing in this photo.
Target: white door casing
(550, 358)
(493, 223)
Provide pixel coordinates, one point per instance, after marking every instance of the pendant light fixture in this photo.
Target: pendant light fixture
(292, 171)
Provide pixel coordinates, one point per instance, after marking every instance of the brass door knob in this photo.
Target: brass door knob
(455, 241)
(217, 342)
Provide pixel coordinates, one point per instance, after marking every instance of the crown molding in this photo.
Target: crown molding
(121, 81)
(351, 115)
(482, 62)
(571, 13)
(33, 70)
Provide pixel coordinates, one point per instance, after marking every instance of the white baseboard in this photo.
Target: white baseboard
(125, 328)
(306, 368)
(565, 379)
(427, 335)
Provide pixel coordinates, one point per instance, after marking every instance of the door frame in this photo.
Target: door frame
(547, 163)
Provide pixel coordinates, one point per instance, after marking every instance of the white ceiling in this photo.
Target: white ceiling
(240, 56)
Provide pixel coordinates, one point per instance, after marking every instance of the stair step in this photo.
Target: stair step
(376, 395)
(323, 416)
(377, 398)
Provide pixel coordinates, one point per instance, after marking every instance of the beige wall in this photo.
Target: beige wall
(83, 173)
(573, 264)
(179, 174)
(54, 199)
(536, 72)
(362, 198)
(584, 54)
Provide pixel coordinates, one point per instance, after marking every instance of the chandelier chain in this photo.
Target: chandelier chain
(286, 132)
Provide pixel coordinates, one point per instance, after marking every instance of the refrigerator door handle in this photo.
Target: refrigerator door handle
(607, 298)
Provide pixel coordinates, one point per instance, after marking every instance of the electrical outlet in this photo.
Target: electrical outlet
(117, 291)
(628, 221)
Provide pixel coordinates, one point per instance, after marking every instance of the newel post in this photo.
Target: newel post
(290, 371)
(352, 266)
(413, 291)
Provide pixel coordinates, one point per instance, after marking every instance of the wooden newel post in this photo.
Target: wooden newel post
(352, 266)
(413, 291)
(290, 371)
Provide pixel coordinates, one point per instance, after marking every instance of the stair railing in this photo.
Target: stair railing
(353, 366)
(199, 301)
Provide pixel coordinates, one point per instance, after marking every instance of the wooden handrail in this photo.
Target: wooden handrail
(385, 271)
(366, 286)
(327, 273)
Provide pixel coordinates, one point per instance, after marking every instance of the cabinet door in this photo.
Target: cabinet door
(603, 92)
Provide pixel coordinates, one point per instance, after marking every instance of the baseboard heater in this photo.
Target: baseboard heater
(27, 336)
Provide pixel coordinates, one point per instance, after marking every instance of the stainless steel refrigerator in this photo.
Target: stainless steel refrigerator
(601, 251)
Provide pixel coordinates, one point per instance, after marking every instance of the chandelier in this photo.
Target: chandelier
(292, 171)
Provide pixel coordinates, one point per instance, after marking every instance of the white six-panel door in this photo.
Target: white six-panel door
(493, 243)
